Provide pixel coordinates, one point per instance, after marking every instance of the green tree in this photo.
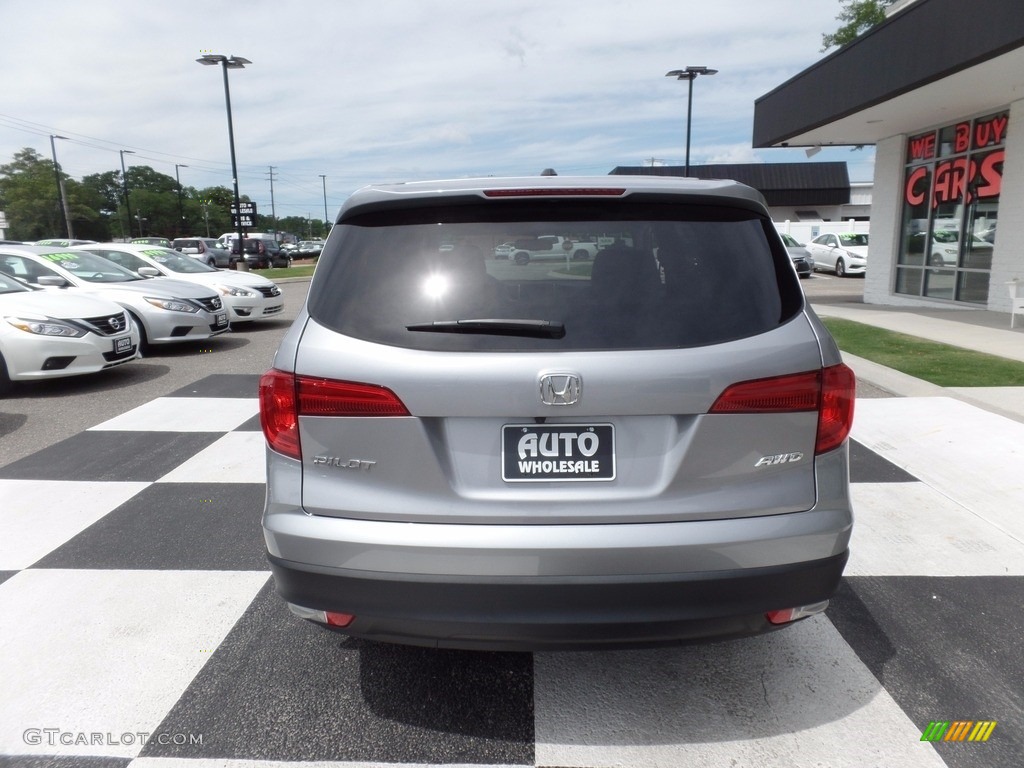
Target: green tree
(90, 222)
(29, 197)
(859, 16)
(209, 210)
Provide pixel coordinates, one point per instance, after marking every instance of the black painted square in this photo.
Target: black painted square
(174, 526)
(945, 649)
(866, 466)
(279, 688)
(222, 385)
(111, 456)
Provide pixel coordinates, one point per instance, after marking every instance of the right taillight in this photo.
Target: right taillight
(835, 416)
(284, 397)
(830, 392)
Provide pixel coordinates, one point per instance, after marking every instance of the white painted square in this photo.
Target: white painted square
(237, 457)
(911, 529)
(796, 697)
(107, 651)
(184, 414)
(37, 516)
(974, 457)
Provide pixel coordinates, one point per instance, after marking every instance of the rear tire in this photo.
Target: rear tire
(522, 258)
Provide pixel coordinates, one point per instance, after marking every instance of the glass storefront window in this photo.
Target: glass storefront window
(950, 207)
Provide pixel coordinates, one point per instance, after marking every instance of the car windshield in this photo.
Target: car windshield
(637, 277)
(853, 239)
(163, 257)
(791, 242)
(9, 284)
(90, 267)
(175, 262)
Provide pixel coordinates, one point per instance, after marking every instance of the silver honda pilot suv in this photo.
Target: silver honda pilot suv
(644, 447)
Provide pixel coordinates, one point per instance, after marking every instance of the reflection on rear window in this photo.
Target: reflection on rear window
(649, 282)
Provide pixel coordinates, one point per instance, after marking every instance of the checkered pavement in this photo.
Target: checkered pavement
(138, 624)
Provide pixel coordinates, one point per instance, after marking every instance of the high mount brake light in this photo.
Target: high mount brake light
(830, 392)
(284, 397)
(557, 192)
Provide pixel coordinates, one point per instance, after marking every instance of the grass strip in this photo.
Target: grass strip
(941, 364)
(306, 270)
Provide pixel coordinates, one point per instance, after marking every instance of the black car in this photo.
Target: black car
(264, 253)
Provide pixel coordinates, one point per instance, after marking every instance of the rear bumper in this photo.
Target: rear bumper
(548, 612)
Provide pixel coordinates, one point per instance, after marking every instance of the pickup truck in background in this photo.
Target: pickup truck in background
(527, 249)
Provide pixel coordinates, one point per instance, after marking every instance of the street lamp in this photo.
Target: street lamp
(124, 188)
(689, 74)
(60, 187)
(230, 62)
(326, 219)
(181, 211)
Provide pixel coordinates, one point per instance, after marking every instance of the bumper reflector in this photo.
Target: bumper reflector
(787, 615)
(330, 618)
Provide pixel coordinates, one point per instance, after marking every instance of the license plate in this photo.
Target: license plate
(124, 344)
(534, 453)
(220, 319)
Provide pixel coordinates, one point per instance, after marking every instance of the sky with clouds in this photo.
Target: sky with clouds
(364, 91)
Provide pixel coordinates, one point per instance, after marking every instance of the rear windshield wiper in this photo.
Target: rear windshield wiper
(544, 329)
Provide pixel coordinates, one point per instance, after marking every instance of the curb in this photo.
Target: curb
(991, 399)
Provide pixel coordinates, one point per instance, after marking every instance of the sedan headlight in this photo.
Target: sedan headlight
(234, 290)
(172, 305)
(45, 326)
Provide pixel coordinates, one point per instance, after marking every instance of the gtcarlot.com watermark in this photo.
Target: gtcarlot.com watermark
(53, 737)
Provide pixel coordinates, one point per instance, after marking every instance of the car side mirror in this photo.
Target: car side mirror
(149, 271)
(52, 281)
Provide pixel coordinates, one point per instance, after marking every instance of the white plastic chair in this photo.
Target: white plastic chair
(1016, 301)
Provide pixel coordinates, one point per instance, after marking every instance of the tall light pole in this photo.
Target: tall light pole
(230, 62)
(689, 74)
(60, 187)
(124, 188)
(326, 219)
(181, 210)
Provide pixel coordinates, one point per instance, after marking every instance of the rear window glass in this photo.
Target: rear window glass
(554, 277)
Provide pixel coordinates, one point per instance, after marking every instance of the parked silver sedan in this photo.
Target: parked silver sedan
(165, 310)
(246, 296)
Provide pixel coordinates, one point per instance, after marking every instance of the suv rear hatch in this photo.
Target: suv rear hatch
(676, 376)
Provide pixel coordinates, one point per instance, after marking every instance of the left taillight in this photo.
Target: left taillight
(284, 397)
(830, 392)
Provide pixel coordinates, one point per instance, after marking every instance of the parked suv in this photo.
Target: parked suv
(648, 447)
(206, 250)
(264, 253)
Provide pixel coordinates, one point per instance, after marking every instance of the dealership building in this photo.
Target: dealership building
(938, 89)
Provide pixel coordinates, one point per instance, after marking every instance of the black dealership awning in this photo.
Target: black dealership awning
(782, 184)
(931, 62)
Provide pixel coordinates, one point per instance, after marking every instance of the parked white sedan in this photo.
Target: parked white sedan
(246, 296)
(845, 253)
(165, 310)
(46, 335)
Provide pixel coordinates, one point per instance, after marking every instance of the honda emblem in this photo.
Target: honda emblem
(560, 388)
